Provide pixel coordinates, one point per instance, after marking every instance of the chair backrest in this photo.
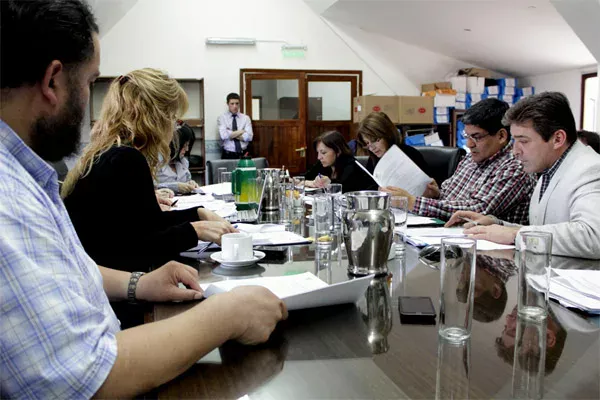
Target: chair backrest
(362, 159)
(212, 167)
(442, 161)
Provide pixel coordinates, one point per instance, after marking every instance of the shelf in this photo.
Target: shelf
(195, 122)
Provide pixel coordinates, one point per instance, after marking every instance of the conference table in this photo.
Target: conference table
(363, 350)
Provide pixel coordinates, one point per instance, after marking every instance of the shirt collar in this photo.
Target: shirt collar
(550, 171)
(39, 170)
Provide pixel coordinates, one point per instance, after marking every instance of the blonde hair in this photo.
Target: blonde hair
(139, 110)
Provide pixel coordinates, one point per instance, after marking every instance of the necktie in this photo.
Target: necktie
(236, 142)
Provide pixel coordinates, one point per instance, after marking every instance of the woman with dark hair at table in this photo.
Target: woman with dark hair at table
(337, 165)
(175, 174)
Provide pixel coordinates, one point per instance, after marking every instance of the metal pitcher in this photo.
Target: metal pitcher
(271, 196)
(368, 229)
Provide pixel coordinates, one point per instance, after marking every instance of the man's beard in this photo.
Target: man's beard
(56, 137)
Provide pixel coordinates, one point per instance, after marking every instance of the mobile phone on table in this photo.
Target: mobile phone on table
(416, 310)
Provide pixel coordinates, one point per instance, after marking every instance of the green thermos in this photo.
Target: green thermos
(243, 181)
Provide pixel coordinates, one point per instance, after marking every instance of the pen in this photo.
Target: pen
(469, 220)
(173, 203)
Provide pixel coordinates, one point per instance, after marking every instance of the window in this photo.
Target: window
(589, 102)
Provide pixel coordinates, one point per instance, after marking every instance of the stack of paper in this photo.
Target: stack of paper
(575, 288)
(299, 291)
(421, 237)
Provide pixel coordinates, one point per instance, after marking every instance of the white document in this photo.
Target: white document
(260, 228)
(299, 291)
(433, 236)
(413, 220)
(396, 169)
(368, 173)
(217, 188)
(563, 288)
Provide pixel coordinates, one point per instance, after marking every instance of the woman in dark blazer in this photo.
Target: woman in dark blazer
(337, 165)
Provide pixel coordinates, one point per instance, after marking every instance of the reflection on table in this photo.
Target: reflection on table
(363, 351)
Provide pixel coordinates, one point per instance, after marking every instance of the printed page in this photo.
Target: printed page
(299, 291)
(396, 169)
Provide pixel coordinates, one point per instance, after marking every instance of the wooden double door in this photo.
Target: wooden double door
(290, 108)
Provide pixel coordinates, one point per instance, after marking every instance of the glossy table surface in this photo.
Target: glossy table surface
(364, 351)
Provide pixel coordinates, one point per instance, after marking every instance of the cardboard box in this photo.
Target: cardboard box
(479, 72)
(508, 90)
(512, 82)
(427, 87)
(461, 105)
(441, 110)
(364, 105)
(492, 90)
(415, 110)
(459, 83)
(444, 100)
(475, 84)
(461, 97)
(441, 119)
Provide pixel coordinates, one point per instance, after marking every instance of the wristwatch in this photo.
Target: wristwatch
(133, 281)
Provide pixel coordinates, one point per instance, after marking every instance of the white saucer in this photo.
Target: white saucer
(258, 255)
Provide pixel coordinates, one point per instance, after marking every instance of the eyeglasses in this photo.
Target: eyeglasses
(371, 146)
(477, 138)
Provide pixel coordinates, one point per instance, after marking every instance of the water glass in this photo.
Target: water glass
(298, 192)
(453, 369)
(535, 253)
(253, 191)
(529, 359)
(287, 202)
(335, 192)
(399, 207)
(457, 282)
(226, 178)
(219, 174)
(322, 215)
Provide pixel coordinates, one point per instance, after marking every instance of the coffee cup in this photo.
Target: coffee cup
(236, 247)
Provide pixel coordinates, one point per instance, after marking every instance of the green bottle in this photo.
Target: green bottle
(243, 181)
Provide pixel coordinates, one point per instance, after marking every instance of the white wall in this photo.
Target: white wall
(567, 82)
(170, 35)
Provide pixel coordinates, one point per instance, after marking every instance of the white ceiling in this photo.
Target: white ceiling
(516, 37)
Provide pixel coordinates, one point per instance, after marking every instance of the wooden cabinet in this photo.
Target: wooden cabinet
(194, 88)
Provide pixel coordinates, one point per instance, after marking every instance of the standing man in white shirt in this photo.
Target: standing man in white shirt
(235, 129)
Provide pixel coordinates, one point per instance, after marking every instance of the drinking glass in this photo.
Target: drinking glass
(287, 202)
(226, 178)
(335, 192)
(399, 207)
(298, 192)
(457, 282)
(322, 215)
(535, 252)
(219, 174)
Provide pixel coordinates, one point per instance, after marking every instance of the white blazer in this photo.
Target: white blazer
(570, 207)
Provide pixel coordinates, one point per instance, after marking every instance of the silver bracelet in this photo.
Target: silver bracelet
(131, 288)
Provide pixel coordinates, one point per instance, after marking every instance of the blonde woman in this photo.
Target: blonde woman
(109, 194)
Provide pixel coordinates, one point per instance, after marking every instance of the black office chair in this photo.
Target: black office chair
(212, 167)
(442, 161)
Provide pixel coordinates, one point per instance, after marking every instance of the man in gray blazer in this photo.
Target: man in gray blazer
(567, 195)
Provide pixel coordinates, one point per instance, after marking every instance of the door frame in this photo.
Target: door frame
(304, 76)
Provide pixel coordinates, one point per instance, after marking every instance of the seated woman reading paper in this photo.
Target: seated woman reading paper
(337, 165)
(109, 194)
(379, 135)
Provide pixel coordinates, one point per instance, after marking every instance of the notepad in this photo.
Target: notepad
(299, 291)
